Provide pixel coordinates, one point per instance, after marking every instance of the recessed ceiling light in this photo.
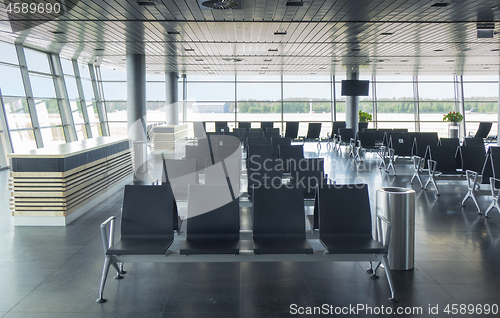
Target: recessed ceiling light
(295, 3)
(495, 50)
(397, 73)
(380, 68)
(387, 33)
(438, 50)
(312, 73)
(381, 61)
(280, 33)
(188, 50)
(173, 32)
(198, 60)
(262, 73)
(210, 72)
(57, 32)
(335, 61)
(206, 67)
(273, 50)
(450, 61)
(322, 68)
(355, 50)
(440, 4)
(404, 61)
(99, 49)
(267, 60)
(486, 68)
(419, 67)
(146, 3)
(264, 67)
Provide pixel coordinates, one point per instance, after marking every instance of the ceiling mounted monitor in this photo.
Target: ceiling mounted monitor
(355, 88)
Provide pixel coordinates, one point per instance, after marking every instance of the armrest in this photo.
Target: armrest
(108, 242)
(387, 238)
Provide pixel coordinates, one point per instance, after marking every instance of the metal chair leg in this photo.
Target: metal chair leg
(388, 273)
(495, 194)
(417, 161)
(105, 270)
(391, 162)
(471, 186)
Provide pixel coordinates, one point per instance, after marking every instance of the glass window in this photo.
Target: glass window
(394, 91)
(118, 129)
(84, 71)
(114, 90)
(394, 78)
(210, 91)
(340, 110)
(435, 78)
(67, 67)
(47, 112)
(11, 82)
(42, 86)
(37, 61)
(258, 78)
(338, 92)
(306, 78)
(77, 112)
(17, 113)
(109, 74)
(481, 78)
(259, 91)
(481, 91)
(221, 78)
(156, 91)
(179, 91)
(8, 53)
(88, 90)
(22, 140)
(81, 132)
(436, 91)
(116, 111)
(52, 136)
(156, 111)
(307, 91)
(71, 87)
(92, 111)
(393, 113)
(96, 130)
(209, 111)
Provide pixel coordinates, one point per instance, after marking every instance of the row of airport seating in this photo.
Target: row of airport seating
(213, 228)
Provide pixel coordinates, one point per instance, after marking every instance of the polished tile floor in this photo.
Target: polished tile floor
(55, 271)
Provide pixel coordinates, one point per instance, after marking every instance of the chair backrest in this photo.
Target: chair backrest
(344, 211)
(413, 135)
(430, 135)
(266, 124)
(200, 152)
(221, 126)
(384, 134)
(445, 158)
(373, 131)
(473, 142)
(473, 158)
(400, 130)
(491, 168)
(494, 150)
(222, 170)
(454, 142)
(254, 152)
(420, 145)
(278, 213)
(239, 133)
(346, 134)
(231, 139)
(287, 141)
(258, 141)
(264, 173)
(244, 125)
(292, 129)
(226, 151)
(401, 143)
(199, 130)
(175, 210)
(208, 216)
(180, 173)
(483, 130)
(290, 151)
(336, 126)
(147, 213)
(307, 174)
(271, 134)
(366, 139)
(270, 129)
(250, 134)
(259, 130)
(313, 130)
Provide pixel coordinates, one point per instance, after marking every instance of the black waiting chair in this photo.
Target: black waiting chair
(180, 173)
(258, 141)
(259, 130)
(366, 141)
(271, 134)
(221, 126)
(307, 174)
(213, 224)
(332, 136)
(250, 134)
(441, 161)
(239, 133)
(146, 227)
(292, 129)
(175, 211)
(345, 225)
(344, 137)
(286, 153)
(275, 142)
(362, 125)
(255, 152)
(384, 135)
(200, 153)
(226, 171)
(264, 173)
(454, 142)
(473, 142)
(420, 145)
(244, 125)
(402, 144)
(266, 124)
(433, 135)
(313, 131)
(226, 151)
(483, 130)
(494, 180)
(268, 129)
(278, 221)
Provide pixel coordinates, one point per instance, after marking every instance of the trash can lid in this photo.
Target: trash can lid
(396, 190)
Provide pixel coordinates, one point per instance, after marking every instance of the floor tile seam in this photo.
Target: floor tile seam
(458, 250)
(495, 280)
(428, 274)
(171, 291)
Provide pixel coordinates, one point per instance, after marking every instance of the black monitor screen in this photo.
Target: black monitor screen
(355, 88)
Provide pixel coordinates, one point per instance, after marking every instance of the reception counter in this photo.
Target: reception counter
(55, 185)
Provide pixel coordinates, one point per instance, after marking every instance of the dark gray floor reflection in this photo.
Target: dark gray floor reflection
(55, 272)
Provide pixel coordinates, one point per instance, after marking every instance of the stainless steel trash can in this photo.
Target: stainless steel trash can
(398, 206)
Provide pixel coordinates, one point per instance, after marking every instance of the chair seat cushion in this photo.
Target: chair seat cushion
(282, 246)
(211, 246)
(139, 247)
(353, 246)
